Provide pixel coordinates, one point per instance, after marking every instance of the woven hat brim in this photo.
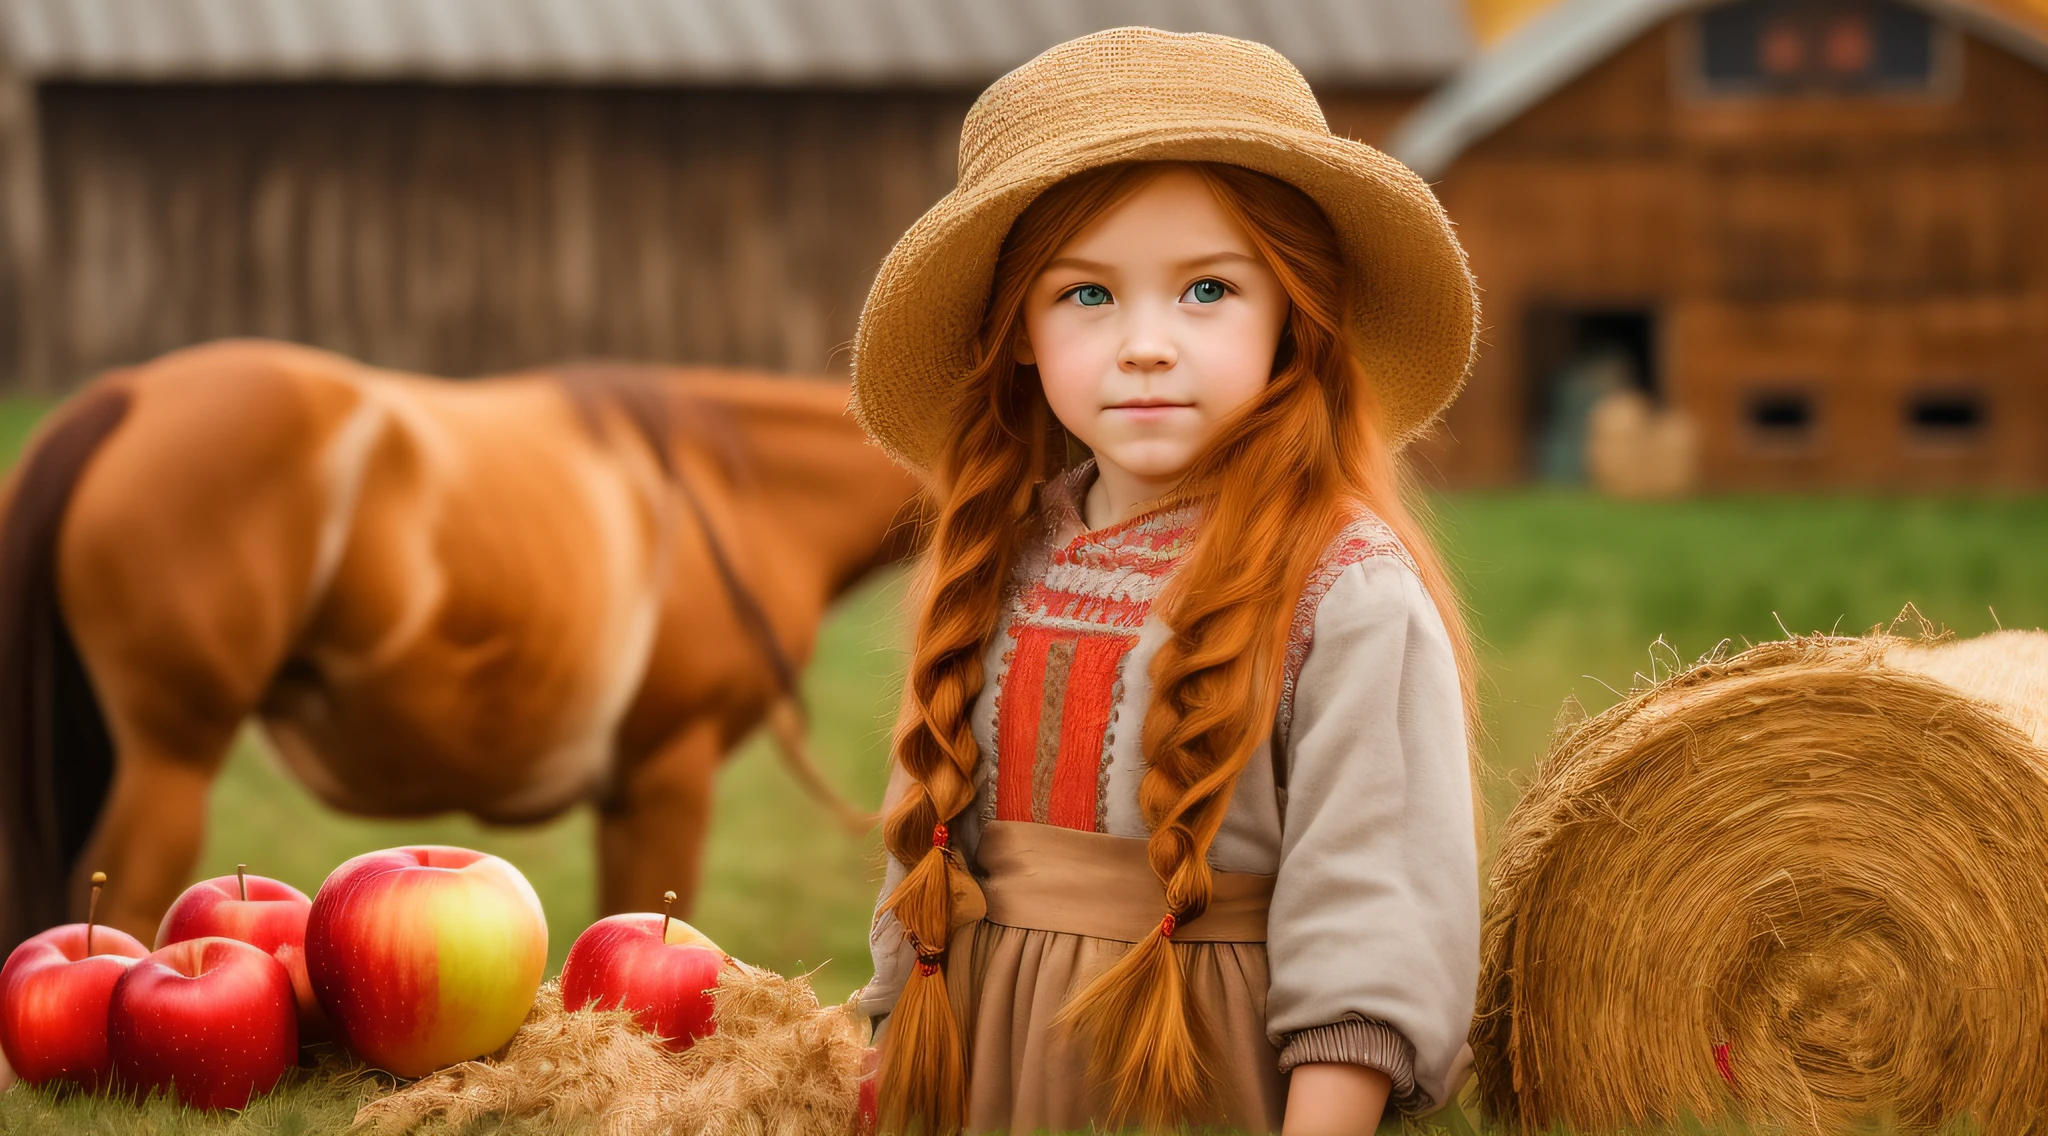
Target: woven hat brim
(1415, 306)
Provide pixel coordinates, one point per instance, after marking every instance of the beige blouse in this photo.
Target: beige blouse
(1366, 821)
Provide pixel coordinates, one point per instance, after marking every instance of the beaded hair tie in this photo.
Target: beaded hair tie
(928, 961)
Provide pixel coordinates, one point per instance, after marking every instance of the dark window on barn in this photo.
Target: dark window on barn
(1946, 416)
(1577, 356)
(1800, 46)
(1781, 417)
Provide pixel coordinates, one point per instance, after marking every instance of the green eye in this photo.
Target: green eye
(1205, 291)
(1090, 295)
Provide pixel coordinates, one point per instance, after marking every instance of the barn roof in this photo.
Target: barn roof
(1557, 46)
(690, 41)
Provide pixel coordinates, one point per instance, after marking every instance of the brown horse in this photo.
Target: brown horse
(502, 597)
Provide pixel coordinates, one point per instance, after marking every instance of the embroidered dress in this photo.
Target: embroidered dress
(1345, 925)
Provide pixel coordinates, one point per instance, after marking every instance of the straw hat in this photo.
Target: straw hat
(1140, 94)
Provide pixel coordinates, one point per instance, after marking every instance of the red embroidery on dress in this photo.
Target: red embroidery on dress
(1083, 722)
(1073, 622)
(1017, 726)
(1365, 537)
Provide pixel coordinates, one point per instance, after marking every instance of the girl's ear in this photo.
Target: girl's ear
(1022, 351)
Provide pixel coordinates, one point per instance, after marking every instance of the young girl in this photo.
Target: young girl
(1181, 819)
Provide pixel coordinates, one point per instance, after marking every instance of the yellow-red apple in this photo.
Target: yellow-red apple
(213, 1020)
(425, 956)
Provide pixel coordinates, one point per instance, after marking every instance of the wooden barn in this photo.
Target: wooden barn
(1810, 227)
(466, 186)
(1818, 228)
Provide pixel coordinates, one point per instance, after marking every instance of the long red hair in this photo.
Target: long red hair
(1275, 486)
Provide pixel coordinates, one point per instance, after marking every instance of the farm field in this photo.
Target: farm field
(1568, 593)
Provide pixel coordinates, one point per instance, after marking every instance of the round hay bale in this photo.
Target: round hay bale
(1799, 887)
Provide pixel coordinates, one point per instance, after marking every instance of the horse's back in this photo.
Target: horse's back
(495, 606)
(436, 594)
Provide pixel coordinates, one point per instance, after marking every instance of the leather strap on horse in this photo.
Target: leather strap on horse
(788, 719)
(635, 393)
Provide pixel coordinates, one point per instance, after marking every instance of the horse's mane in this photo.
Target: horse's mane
(656, 410)
(649, 402)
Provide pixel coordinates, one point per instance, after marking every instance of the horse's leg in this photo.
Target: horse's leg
(150, 832)
(650, 834)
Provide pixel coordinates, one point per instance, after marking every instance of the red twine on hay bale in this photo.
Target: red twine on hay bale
(1724, 1063)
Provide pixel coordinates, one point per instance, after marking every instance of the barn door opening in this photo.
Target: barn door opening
(1576, 357)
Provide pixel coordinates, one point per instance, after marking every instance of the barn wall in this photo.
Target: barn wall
(465, 230)
(461, 230)
(1858, 249)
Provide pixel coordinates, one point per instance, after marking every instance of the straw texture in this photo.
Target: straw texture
(1798, 887)
(2006, 669)
(1140, 94)
(778, 1065)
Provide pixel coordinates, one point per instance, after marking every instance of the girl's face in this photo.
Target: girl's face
(1150, 328)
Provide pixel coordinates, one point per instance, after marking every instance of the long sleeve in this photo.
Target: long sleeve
(886, 941)
(1374, 928)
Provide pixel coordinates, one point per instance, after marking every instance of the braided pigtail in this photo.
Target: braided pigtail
(923, 1085)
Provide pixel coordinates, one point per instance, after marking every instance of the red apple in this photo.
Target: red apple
(53, 1003)
(664, 974)
(265, 913)
(426, 956)
(213, 1020)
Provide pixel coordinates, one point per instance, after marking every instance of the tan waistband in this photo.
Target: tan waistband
(1046, 878)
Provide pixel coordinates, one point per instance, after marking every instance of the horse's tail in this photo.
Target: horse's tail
(786, 722)
(56, 757)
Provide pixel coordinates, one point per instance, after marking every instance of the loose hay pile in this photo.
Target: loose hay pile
(778, 1065)
(1801, 886)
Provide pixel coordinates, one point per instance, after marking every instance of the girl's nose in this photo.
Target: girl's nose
(1146, 348)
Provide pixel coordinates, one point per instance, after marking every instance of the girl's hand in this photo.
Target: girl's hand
(1334, 1099)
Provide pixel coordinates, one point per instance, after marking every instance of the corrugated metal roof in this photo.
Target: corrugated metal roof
(691, 41)
(1560, 44)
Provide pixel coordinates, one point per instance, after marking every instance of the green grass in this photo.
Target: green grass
(1568, 593)
(19, 414)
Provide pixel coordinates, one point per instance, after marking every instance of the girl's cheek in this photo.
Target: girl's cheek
(1236, 362)
(1071, 362)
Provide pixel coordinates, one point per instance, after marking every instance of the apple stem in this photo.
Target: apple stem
(92, 908)
(668, 900)
(242, 880)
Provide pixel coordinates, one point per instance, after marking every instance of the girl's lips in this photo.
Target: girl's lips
(1155, 413)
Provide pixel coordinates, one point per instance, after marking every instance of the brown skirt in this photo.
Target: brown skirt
(1063, 906)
